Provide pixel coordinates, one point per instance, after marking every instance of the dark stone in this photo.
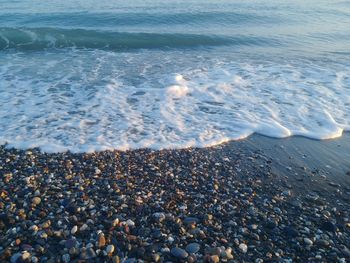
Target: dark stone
(290, 232)
(328, 226)
(179, 252)
(193, 248)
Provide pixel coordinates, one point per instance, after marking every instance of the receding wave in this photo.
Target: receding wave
(46, 38)
(82, 100)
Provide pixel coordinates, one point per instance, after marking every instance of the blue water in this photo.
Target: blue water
(93, 75)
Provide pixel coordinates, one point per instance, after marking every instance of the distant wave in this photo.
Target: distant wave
(46, 38)
(116, 20)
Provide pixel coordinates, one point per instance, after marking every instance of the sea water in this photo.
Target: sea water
(84, 75)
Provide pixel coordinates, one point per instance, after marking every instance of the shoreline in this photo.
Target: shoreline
(255, 200)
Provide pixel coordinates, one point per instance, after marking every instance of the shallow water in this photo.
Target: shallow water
(83, 76)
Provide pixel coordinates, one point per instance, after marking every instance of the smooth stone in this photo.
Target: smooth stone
(179, 252)
(290, 232)
(74, 230)
(243, 247)
(87, 254)
(129, 222)
(328, 226)
(101, 241)
(193, 248)
(130, 260)
(25, 255)
(36, 200)
(70, 243)
(308, 241)
(110, 249)
(214, 259)
(65, 258)
(322, 243)
(159, 217)
(190, 220)
(16, 257)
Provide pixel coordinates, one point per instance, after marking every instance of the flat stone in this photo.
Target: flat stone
(190, 220)
(308, 241)
(36, 200)
(193, 248)
(328, 226)
(179, 252)
(70, 243)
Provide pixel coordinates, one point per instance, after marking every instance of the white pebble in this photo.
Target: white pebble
(243, 247)
(74, 230)
(308, 241)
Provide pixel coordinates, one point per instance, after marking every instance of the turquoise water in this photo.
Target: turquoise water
(94, 75)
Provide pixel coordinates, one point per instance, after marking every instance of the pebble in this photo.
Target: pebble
(36, 200)
(101, 241)
(190, 220)
(193, 248)
(66, 258)
(110, 249)
(308, 241)
(179, 252)
(146, 205)
(243, 247)
(74, 230)
(15, 257)
(159, 217)
(88, 253)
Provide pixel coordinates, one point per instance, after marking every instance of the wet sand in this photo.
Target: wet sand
(255, 200)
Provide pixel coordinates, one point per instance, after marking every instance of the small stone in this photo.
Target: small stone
(101, 241)
(36, 200)
(15, 257)
(115, 222)
(179, 252)
(322, 243)
(87, 253)
(193, 248)
(159, 217)
(290, 232)
(25, 256)
(129, 222)
(66, 258)
(243, 247)
(110, 249)
(83, 227)
(308, 241)
(74, 230)
(214, 259)
(191, 220)
(116, 259)
(46, 224)
(156, 257)
(328, 226)
(70, 243)
(34, 228)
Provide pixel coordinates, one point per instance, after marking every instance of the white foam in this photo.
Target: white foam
(87, 101)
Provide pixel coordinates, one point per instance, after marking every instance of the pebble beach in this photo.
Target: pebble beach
(218, 204)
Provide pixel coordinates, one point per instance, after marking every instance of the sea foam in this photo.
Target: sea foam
(83, 100)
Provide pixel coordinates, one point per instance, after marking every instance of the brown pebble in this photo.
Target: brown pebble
(101, 241)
